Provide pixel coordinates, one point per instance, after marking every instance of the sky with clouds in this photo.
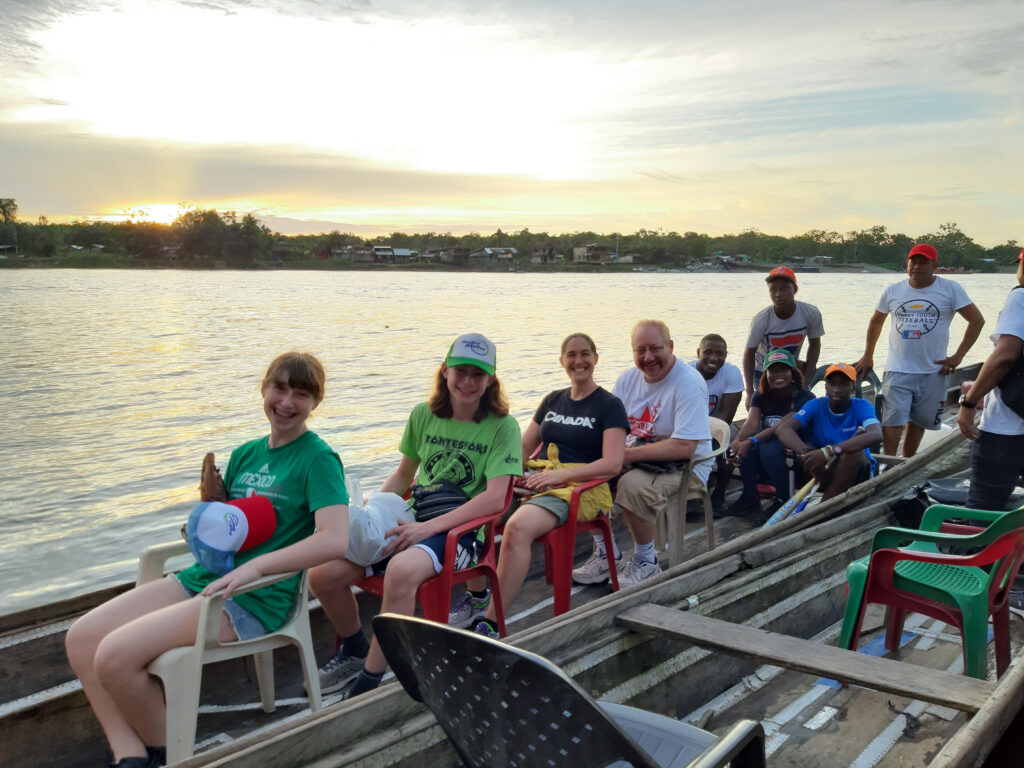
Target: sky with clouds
(560, 115)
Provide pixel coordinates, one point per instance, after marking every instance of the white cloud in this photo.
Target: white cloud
(719, 115)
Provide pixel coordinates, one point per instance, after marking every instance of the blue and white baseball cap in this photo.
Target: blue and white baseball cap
(217, 531)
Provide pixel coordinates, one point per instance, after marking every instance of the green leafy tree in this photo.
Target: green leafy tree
(8, 209)
(200, 234)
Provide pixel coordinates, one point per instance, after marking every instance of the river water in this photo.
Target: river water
(113, 384)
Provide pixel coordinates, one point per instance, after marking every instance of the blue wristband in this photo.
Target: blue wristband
(753, 440)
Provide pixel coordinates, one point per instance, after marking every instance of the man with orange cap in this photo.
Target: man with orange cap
(838, 429)
(914, 384)
(785, 324)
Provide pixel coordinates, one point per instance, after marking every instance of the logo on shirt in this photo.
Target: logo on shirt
(251, 480)
(913, 319)
(450, 465)
(787, 340)
(569, 421)
(643, 427)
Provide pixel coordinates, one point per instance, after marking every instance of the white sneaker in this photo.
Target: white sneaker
(637, 571)
(595, 570)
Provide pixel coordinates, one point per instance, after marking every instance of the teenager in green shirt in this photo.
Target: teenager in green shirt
(110, 647)
(463, 435)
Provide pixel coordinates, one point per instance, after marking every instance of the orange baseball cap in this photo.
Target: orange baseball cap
(784, 272)
(847, 370)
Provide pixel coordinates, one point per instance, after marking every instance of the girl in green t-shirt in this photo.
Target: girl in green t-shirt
(110, 647)
(463, 435)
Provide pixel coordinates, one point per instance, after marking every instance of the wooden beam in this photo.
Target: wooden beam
(963, 693)
(981, 733)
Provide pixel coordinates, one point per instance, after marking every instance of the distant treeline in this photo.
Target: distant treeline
(209, 238)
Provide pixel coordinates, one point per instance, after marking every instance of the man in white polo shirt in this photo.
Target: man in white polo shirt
(667, 405)
(914, 384)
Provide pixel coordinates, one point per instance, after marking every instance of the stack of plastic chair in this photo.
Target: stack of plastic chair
(181, 669)
(435, 594)
(502, 707)
(671, 527)
(906, 571)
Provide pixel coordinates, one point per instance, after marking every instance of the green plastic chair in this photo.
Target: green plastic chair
(906, 571)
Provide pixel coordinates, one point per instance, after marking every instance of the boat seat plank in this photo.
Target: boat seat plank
(962, 693)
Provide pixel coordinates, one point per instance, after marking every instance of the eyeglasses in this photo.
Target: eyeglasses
(656, 349)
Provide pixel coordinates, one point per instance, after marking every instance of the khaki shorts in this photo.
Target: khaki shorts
(647, 494)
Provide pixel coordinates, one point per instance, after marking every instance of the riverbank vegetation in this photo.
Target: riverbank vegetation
(205, 238)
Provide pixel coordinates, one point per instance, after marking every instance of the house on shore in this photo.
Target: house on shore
(501, 254)
(593, 253)
(544, 253)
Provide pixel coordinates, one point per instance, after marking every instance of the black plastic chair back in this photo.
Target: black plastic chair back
(501, 706)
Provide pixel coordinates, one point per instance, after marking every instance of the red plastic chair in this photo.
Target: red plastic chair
(435, 594)
(560, 547)
(962, 590)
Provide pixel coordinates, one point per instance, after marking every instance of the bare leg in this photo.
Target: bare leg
(528, 524)
(332, 585)
(913, 439)
(406, 571)
(891, 439)
(109, 649)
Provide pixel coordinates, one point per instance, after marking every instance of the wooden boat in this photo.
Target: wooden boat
(46, 719)
(791, 584)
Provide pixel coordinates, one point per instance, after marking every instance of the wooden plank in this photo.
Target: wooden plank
(963, 693)
(980, 734)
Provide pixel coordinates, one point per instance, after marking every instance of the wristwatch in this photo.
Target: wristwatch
(965, 403)
(837, 448)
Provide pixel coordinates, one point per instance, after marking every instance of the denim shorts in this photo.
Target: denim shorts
(466, 557)
(246, 625)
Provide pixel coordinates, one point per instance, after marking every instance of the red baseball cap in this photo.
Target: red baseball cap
(923, 249)
(783, 272)
(1020, 256)
(847, 370)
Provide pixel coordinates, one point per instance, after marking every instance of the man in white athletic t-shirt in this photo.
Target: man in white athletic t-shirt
(914, 384)
(786, 324)
(667, 406)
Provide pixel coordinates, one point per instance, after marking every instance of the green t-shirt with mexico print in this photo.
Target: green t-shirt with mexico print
(298, 478)
(462, 452)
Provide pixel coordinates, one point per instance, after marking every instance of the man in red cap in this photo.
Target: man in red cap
(914, 384)
(785, 324)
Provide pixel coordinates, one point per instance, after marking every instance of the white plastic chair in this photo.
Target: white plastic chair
(672, 526)
(181, 669)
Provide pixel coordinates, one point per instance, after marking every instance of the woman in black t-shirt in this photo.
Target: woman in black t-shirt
(589, 426)
(780, 393)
